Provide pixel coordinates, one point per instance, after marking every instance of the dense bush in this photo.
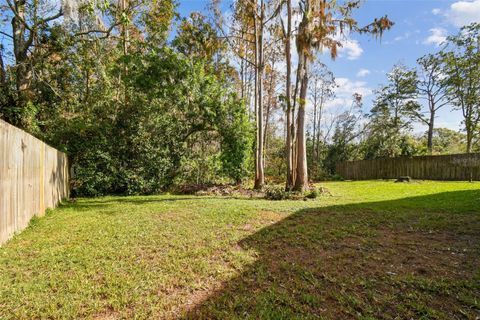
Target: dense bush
(276, 193)
(312, 194)
(179, 125)
(279, 193)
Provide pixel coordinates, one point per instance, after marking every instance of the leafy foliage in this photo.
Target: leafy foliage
(134, 113)
(172, 104)
(461, 66)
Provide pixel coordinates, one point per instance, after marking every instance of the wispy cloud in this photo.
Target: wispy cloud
(363, 73)
(461, 13)
(464, 12)
(437, 36)
(344, 92)
(352, 49)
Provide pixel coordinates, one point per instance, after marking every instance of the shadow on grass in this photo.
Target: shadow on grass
(415, 257)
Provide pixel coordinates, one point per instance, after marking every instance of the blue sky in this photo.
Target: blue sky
(420, 25)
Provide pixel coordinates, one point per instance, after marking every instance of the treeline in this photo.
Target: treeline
(135, 113)
(138, 113)
(448, 80)
(143, 100)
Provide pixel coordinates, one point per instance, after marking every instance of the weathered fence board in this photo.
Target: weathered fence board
(33, 178)
(445, 167)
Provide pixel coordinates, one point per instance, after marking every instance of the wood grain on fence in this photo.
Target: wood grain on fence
(33, 178)
(445, 167)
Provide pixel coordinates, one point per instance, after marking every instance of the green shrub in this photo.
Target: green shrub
(336, 177)
(276, 193)
(180, 125)
(312, 194)
(279, 193)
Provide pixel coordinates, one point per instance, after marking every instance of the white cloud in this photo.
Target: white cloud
(464, 12)
(436, 11)
(343, 93)
(437, 36)
(348, 48)
(351, 48)
(363, 73)
(404, 36)
(349, 87)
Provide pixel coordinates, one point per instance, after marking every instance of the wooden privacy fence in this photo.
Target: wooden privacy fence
(447, 167)
(33, 177)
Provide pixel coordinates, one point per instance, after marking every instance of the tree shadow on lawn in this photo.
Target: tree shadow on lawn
(409, 258)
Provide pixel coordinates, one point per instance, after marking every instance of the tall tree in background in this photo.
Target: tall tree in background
(241, 42)
(290, 128)
(321, 23)
(398, 97)
(322, 90)
(27, 28)
(258, 11)
(390, 116)
(271, 79)
(348, 128)
(432, 87)
(254, 18)
(461, 66)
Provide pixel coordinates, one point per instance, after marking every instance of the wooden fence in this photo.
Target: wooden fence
(33, 178)
(447, 167)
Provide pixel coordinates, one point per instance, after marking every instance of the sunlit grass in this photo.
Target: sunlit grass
(212, 257)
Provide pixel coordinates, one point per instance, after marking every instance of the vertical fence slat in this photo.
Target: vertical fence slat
(33, 177)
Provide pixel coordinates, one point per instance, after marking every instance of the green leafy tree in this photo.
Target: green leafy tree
(197, 38)
(390, 117)
(431, 87)
(348, 129)
(321, 21)
(461, 66)
(446, 141)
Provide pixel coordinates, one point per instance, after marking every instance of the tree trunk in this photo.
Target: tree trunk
(3, 72)
(293, 128)
(314, 135)
(430, 132)
(469, 140)
(23, 70)
(242, 79)
(301, 179)
(125, 43)
(18, 31)
(288, 60)
(319, 125)
(259, 172)
(269, 109)
(265, 132)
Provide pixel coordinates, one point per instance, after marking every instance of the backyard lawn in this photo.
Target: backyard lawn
(373, 249)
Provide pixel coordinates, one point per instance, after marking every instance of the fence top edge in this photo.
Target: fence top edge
(5, 124)
(474, 154)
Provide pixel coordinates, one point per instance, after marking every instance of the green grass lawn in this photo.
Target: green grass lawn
(371, 250)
